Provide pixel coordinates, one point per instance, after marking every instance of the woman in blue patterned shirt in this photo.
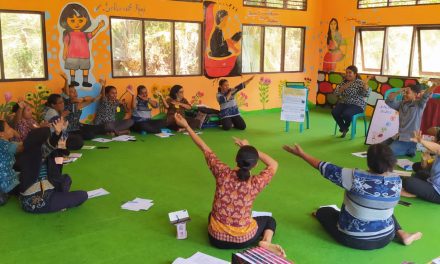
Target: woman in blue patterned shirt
(229, 113)
(366, 220)
(352, 92)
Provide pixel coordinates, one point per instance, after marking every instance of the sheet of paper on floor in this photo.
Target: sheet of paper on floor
(97, 192)
(164, 135)
(257, 214)
(102, 140)
(88, 147)
(200, 258)
(405, 164)
(138, 204)
(362, 154)
(124, 138)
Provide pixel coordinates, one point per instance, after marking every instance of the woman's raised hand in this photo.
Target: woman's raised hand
(240, 142)
(295, 149)
(417, 136)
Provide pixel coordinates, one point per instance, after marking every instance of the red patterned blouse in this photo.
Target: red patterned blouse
(231, 216)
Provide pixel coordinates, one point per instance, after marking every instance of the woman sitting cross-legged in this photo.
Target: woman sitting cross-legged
(231, 225)
(141, 115)
(43, 187)
(366, 220)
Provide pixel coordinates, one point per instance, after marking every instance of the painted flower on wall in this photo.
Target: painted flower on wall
(263, 87)
(37, 99)
(241, 99)
(6, 108)
(197, 98)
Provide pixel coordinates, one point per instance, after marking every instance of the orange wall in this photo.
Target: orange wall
(349, 17)
(172, 10)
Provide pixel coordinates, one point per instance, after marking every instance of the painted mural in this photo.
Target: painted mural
(222, 52)
(327, 83)
(335, 47)
(76, 30)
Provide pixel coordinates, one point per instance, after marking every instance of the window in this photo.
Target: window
(285, 4)
(411, 51)
(387, 3)
(155, 48)
(22, 46)
(272, 49)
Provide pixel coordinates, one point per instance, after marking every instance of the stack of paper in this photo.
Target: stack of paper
(97, 192)
(200, 258)
(138, 204)
(164, 135)
(179, 216)
(405, 164)
(102, 140)
(72, 158)
(124, 138)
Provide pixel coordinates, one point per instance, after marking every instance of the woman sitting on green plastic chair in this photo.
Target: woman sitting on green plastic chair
(352, 92)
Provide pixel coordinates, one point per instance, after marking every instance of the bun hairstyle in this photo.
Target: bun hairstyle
(247, 158)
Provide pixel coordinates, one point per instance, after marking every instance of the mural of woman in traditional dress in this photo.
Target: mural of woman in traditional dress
(334, 42)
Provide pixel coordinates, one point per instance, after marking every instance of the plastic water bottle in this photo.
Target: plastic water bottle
(143, 133)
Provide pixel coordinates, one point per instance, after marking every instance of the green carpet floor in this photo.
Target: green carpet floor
(173, 173)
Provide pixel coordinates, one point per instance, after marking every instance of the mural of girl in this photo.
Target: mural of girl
(334, 43)
(76, 54)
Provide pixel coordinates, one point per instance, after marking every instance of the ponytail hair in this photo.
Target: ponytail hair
(220, 83)
(247, 158)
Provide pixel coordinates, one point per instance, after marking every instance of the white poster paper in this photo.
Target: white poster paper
(294, 103)
(384, 123)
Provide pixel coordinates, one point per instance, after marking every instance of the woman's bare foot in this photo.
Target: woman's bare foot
(277, 249)
(404, 193)
(409, 238)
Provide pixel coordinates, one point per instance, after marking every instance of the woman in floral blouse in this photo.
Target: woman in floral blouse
(352, 92)
(231, 225)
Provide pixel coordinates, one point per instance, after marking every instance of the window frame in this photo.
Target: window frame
(284, 6)
(388, 5)
(283, 48)
(44, 47)
(414, 45)
(173, 47)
